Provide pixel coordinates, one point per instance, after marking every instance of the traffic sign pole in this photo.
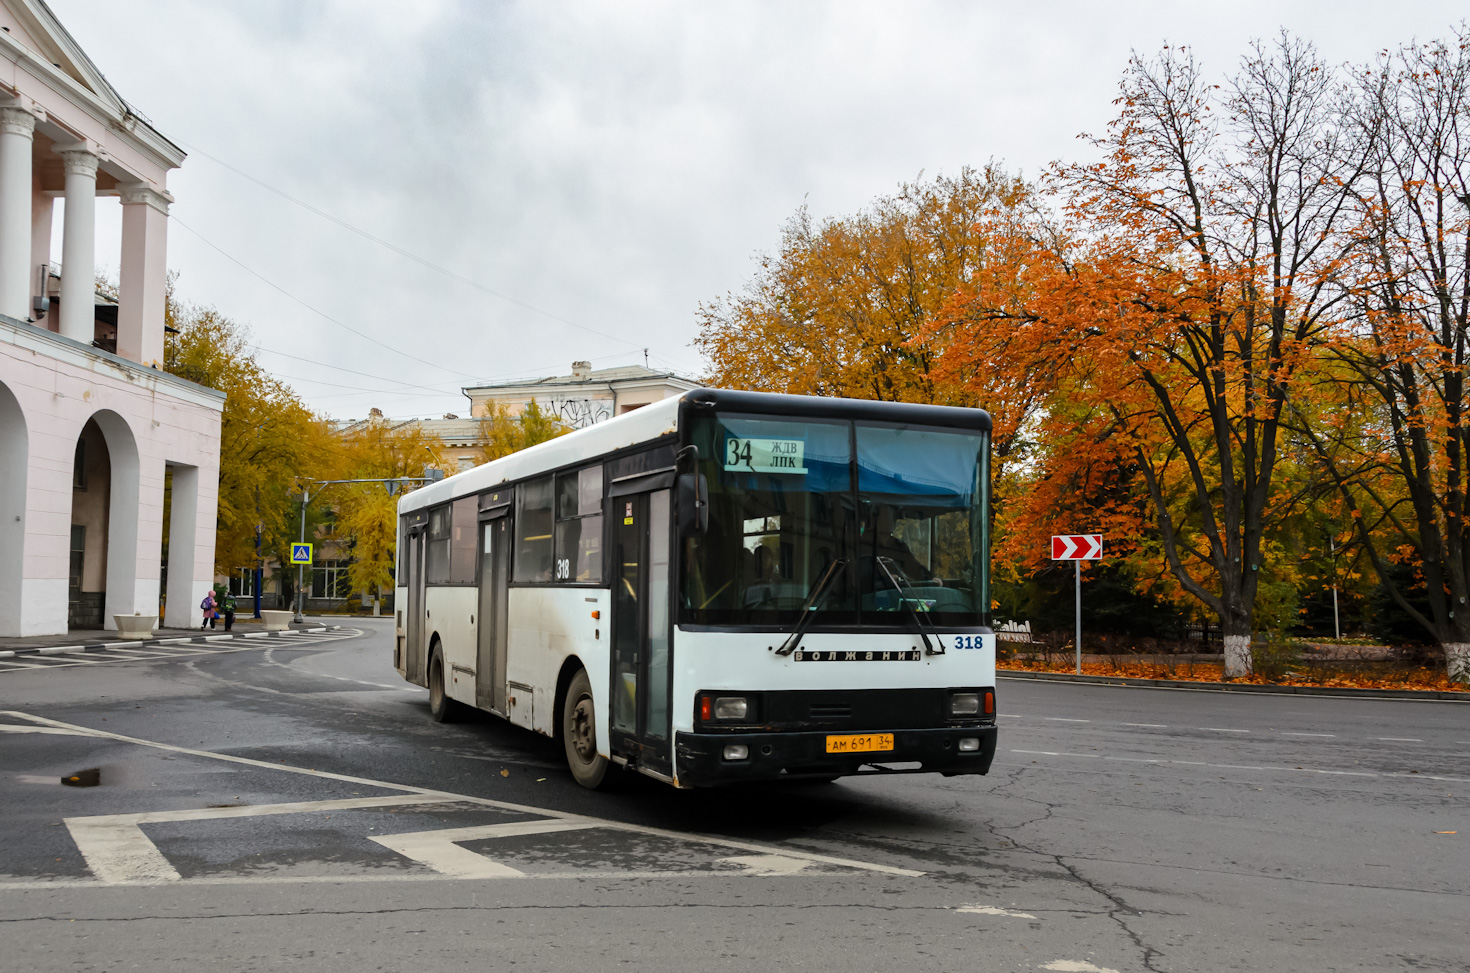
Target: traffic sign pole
(1077, 548)
(1078, 566)
(301, 568)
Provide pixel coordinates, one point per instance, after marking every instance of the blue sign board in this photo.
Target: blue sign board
(300, 553)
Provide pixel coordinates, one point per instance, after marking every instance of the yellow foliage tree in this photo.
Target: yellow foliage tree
(268, 438)
(367, 513)
(505, 433)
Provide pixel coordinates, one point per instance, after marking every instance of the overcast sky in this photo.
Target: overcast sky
(577, 177)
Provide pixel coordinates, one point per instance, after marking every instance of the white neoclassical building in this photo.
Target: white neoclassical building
(92, 430)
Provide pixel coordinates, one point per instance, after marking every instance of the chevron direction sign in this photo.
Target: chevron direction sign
(1076, 547)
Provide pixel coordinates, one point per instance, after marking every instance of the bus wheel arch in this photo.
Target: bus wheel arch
(442, 709)
(569, 669)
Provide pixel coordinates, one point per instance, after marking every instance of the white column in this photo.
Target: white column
(78, 244)
(143, 276)
(17, 131)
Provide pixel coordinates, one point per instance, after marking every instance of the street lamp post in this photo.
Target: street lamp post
(391, 482)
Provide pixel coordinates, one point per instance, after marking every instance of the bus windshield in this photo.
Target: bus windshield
(901, 506)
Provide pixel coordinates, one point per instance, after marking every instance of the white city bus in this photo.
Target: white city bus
(719, 587)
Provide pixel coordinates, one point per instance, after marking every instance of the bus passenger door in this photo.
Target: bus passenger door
(641, 635)
(414, 654)
(495, 539)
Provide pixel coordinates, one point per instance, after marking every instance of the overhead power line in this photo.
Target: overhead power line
(254, 273)
(408, 254)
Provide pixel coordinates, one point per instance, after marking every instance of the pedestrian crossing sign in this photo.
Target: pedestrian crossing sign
(300, 553)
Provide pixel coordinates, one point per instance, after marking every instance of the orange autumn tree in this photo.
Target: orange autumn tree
(1175, 302)
(1404, 351)
(838, 308)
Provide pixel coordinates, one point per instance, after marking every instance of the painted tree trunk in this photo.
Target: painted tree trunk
(1238, 656)
(1457, 661)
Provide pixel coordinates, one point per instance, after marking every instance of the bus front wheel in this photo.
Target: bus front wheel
(579, 734)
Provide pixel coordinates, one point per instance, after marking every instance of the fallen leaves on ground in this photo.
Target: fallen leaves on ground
(1417, 679)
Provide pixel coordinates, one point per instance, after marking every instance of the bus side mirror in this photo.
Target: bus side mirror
(693, 504)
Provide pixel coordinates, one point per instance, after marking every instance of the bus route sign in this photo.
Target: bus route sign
(765, 455)
(300, 553)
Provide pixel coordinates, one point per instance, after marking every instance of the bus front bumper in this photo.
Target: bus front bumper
(701, 760)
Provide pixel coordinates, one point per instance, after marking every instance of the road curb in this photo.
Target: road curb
(194, 640)
(1424, 695)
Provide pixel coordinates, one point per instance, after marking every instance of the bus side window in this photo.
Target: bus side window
(438, 568)
(462, 546)
(535, 515)
(579, 526)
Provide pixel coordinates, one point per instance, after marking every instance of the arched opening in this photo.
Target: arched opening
(102, 579)
(14, 452)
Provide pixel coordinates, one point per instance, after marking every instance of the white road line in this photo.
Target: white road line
(689, 837)
(117, 850)
(1221, 729)
(768, 865)
(1325, 736)
(9, 728)
(1011, 716)
(1399, 739)
(218, 638)
(1055, 753)
(1075, 966)
(1063, 719)
(1303, 770)
(58, 649)
(1152, 726)
(990, 910)
(172, 641)
(439, 849)
(395, 875)
(154, 652)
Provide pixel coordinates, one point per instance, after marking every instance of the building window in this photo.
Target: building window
(466, 463)
(438, 568)
(242, 583)
(534, 520)
(579, 526)
(78, 559)
(329, 580)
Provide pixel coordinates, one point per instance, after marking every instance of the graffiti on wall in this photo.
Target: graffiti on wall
(580, 412)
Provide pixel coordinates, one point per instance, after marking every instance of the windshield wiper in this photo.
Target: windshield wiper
(884, 562)
(808, 610)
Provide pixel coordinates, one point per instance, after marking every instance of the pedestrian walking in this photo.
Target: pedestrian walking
(229, 611)
(207, 606)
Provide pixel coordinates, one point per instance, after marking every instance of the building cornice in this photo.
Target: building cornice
(111, 112)
(48, 344)
(669, 380)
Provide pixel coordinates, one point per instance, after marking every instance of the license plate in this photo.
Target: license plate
(859, 742)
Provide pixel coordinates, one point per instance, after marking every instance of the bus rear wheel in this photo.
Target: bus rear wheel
(579, 734)
(442, 709)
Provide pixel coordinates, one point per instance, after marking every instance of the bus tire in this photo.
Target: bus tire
(442, 709)
(579, 734)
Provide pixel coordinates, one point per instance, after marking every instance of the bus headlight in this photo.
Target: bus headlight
(964, 704)
(736, 751)
(731, 707)
(969, 744)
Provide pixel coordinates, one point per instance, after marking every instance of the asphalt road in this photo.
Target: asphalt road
(263, 806)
